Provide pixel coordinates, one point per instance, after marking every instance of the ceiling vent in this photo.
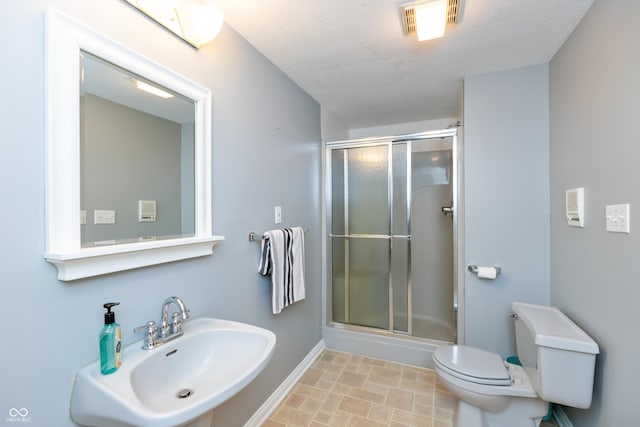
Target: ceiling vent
(409, 14)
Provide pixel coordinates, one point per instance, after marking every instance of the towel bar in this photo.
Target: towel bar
(254, 238)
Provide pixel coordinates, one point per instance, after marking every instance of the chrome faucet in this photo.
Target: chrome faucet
(177, 319)
(156, 336)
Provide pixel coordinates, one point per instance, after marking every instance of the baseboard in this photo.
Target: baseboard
(264, 412)
(561, 417)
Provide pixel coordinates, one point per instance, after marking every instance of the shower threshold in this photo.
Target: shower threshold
(381, 344)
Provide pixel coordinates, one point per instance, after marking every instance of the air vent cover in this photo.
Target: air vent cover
(409, 14)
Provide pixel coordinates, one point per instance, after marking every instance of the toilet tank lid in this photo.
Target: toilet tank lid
(552, 328)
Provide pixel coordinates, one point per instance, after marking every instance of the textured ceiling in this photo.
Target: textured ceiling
(353, 58)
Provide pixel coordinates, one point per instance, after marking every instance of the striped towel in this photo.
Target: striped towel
(282, 257)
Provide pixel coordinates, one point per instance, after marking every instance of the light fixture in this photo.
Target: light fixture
(195, 21)
(146, 87)
(431, 19)
(201, 21)
(428, 19)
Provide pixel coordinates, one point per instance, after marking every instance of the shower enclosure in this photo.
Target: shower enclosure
(391, 235)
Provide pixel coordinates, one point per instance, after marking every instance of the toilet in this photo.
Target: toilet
(558, 361)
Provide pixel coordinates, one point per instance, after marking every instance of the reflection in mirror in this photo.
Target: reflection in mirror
(136, 144)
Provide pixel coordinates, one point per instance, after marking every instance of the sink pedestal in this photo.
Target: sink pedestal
(203, 420)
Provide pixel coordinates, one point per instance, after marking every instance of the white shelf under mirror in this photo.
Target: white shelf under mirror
(77, 256)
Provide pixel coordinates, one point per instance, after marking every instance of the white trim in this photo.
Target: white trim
(271, 404)
(97, 261)
(65, 39)
(561, 417)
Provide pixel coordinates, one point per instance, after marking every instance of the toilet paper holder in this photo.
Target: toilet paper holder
(474, 269)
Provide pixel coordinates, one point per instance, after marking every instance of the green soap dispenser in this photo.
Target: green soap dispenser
(110, 342)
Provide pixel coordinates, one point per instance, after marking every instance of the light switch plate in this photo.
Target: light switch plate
(617, 217)
(278, 214)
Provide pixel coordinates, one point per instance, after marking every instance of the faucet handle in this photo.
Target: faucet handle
(176, 323)
(151, 334)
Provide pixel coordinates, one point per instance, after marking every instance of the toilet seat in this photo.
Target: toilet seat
(472, 364)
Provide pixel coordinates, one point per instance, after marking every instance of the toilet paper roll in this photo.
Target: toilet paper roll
(487, 273)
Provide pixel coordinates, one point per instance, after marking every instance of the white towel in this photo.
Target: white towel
(282, 257)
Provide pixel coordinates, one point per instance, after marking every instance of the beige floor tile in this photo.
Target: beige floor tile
(440, 423)
(367, 395)
(381, 389)
(323, 417)
(411, 419)
(354, 406)
(357, 421)
(340, 419)
(348, 390)
(294, 400)
(340, 388)
(445, 400)
(380, 413)
(422, 409)
(352, 379)
(311, 377)
(400, 399)
(324, 385)
(374, 362)
(292, 417)
(311, 405)
(312, 392)
(331, 403)
(384, 376)
(443, 414)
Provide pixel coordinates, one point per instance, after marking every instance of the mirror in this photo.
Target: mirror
(128, 172)
(136, 139)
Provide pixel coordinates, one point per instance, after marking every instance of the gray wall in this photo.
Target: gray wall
(127, 156)
(506, 168)
(594, 109)
(266, 152)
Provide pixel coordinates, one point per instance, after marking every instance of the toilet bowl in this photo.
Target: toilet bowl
(558, 366)
(500, 395)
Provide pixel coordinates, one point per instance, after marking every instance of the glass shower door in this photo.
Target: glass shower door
(433, 314)
(360, 220)
(370, 244)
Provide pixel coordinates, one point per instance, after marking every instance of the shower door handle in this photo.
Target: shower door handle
(447, 210)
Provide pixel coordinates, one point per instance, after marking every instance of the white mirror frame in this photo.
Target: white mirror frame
(65, 38)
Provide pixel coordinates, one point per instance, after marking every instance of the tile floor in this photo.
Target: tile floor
(342, 389)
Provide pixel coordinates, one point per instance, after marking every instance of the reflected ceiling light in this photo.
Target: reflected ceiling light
(428, 19)
(195, 21)
(152, 89)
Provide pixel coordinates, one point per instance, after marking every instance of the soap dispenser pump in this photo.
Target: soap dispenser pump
(110, 342)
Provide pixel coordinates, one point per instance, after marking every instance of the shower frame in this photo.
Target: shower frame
(457, 224)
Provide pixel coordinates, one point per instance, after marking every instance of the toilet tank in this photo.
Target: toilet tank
(558, 356)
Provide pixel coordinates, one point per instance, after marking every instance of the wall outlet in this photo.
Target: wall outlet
(617, 217)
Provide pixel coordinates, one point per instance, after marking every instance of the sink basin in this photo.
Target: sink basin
(175, 383)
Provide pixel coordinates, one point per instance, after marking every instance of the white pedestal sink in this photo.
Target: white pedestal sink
(176, 384)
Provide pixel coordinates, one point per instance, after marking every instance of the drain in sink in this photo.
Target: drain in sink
(184, 393)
